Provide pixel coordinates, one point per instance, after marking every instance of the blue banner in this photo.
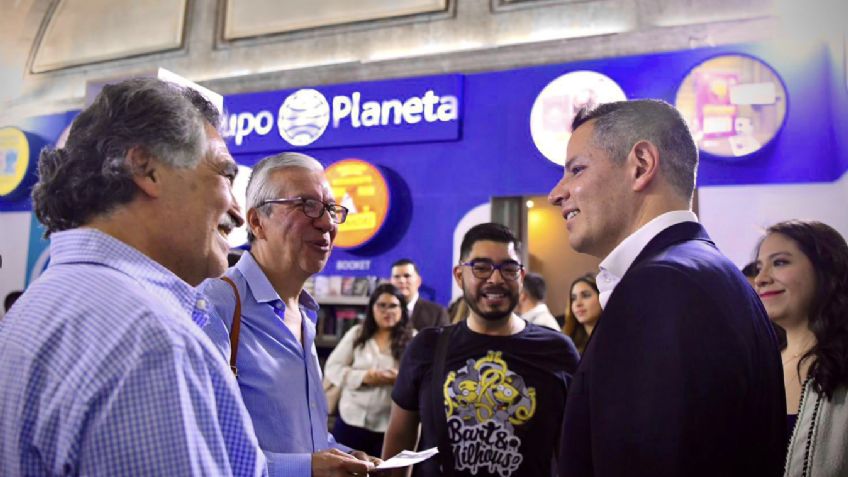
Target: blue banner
(409, 110)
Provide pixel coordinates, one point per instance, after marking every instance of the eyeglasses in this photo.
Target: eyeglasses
(314, 208)
(483, 269)
(387, 306)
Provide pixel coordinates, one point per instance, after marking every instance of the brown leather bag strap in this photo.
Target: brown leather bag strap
(234, 331)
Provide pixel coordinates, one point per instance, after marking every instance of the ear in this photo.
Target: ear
(254, 223)
(146, 171)
(457, 275)
(644, 159)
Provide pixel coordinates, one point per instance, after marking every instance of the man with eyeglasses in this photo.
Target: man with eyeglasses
(292, 221)
(489, 392)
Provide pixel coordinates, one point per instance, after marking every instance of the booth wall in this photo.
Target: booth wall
(802, 174)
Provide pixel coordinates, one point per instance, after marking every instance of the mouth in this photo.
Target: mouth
(322, 245)
(494, 297)
(770, 294)
(226, 225)
(570, 214)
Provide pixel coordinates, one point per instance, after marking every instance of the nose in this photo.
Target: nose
(559, 193)
(496, 273)
(763, 278)
(325, 223)
(235, 211)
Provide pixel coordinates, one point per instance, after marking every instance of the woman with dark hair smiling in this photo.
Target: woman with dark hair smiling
(364, 365)
(803, 282)
(583, 312)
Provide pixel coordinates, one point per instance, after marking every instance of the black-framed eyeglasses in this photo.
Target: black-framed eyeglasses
(484, 269)
(314, 208)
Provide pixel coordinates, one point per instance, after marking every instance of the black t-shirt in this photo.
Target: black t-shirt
(506, 396)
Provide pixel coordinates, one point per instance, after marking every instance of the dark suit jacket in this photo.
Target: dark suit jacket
(682, 375)
(426, 314)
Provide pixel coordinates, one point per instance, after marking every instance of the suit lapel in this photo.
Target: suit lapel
(677, 233)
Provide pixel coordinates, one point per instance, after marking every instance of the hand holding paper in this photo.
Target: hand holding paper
(407, 458)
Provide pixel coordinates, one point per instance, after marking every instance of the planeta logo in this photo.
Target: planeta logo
(303, 117)
(305, 114)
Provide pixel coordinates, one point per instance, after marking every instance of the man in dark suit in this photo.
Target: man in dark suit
(682, 376)
(423, 313)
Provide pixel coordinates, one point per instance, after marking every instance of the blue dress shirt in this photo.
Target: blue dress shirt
(105, 371)
(279, 377)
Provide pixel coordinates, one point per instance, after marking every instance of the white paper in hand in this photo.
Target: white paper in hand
(407, 458)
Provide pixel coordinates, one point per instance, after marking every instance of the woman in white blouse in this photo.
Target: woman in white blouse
(364, 365)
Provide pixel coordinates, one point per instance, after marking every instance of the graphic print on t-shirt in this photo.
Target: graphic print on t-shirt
(484, 402)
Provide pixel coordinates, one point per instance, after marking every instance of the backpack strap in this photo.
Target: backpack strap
(445, 452)
(236, 327)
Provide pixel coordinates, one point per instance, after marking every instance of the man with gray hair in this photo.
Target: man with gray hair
(103, 366)
(292, 222)
(682, 375)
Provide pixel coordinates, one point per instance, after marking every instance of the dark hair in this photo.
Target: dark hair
(488, 231)
(572, 327)
(11, 298)
(534, 285)
(750, 270)
(401, 333)
(620, 125)
(828, 319)
(405, 261)
(89, 176)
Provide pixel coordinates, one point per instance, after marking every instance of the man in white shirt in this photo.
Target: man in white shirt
(682, 375)
(531, 302)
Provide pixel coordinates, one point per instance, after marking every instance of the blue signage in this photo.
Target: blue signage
(424, 109)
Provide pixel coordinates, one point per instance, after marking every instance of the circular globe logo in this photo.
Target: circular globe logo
(558, 103)
(303, 117)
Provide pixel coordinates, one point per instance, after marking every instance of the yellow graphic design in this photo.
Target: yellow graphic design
(484, 402)
(361, 188)
(486, 387)
(14, 159)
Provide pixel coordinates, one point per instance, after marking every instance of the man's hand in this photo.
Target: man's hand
(363, 456)
(333, 463)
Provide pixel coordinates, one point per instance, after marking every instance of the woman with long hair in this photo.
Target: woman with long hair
(584, 310)
(802, 280)
(364, 365)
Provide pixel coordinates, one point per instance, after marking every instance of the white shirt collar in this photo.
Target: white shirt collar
(616, 264)
(539, 309)
(411, 304)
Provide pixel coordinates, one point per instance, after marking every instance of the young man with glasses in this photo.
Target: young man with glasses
(292, 222)
(495, 405)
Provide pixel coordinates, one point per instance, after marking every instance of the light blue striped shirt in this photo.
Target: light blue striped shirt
(105, 371)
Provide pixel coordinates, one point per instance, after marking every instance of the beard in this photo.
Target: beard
(491, 315)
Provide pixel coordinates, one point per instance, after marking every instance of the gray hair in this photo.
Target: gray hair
(259, 189)
(90, 176)
(620, 125)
